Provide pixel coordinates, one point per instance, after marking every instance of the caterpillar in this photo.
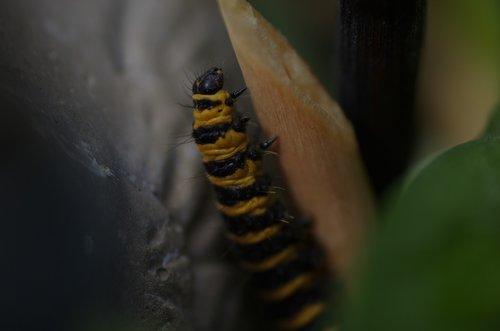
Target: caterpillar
(285, 263)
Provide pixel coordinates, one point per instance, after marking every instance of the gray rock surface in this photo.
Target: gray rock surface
(104, 208)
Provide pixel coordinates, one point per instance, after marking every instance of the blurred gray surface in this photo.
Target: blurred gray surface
(95, 86)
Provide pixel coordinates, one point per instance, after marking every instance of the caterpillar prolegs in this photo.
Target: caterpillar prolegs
(286, 265)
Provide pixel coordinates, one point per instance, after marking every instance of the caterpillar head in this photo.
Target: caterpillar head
(210, 82)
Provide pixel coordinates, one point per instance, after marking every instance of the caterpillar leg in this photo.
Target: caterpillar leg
(238, 92)
(267, 143)
(239, 124)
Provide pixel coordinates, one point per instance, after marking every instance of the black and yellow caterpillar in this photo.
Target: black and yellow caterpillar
(286, 265)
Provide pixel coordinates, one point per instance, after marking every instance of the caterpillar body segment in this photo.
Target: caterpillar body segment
(286, 265)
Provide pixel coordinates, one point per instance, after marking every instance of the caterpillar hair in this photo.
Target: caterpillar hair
(286, 265)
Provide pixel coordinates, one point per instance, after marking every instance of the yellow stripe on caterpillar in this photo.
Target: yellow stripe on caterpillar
(221, 95)
(221, 113)
(272, 261)
(230, 139)
(241, 177)
(218, 115)
(255, 237)
(225, 147)
(253, 207)
(290, 287)
(302, 318)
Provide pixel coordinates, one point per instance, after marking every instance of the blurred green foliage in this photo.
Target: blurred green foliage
(310, 27)
(476, 21)
(435, 262)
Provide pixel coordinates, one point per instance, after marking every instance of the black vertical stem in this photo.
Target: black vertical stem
(380, 42)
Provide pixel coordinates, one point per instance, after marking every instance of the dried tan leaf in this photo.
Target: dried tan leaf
(319, 156)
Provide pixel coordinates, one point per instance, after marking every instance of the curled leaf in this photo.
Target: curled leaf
(319, 156)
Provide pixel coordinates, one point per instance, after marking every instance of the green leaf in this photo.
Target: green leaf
(478, 22)
(435, 263)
